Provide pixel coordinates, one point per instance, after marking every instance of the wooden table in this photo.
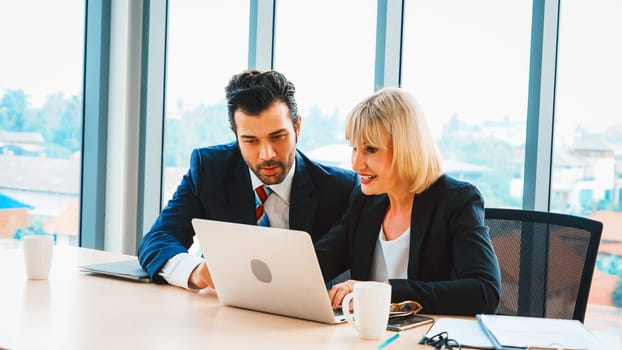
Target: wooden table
(77, 310)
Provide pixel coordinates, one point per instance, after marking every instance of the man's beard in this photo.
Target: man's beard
(271, 180)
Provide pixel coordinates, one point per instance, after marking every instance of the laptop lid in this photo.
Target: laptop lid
(265, 269)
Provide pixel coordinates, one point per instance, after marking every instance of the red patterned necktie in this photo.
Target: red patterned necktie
(261, 194)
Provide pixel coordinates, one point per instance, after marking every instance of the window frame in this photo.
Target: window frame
(145, 204)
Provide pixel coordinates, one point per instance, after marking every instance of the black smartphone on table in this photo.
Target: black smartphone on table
(403, 323)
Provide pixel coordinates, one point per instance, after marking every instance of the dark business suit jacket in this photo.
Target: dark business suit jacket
(452, 268)
(218, 187)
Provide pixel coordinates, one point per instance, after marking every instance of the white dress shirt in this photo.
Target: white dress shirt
(177, 269)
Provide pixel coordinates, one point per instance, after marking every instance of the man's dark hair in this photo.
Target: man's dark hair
(254, 91)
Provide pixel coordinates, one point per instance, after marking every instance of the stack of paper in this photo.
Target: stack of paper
(535, 332)
(516, 332)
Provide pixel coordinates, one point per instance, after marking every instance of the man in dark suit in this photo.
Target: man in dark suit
(222, 181)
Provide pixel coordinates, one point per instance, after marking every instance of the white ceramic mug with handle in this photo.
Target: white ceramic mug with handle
(38, 250)
(371, 301)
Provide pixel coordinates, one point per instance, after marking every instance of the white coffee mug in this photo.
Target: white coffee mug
(38, 251)
(372, 301)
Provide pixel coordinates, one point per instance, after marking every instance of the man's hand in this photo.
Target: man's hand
(200, 277)
(339, 291)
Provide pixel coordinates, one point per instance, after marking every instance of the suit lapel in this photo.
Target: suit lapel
(240, 194)
(368, 231)
(422, 212)
(302, 203)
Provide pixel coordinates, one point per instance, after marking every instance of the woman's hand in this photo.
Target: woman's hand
(339, 291)
(200, 277)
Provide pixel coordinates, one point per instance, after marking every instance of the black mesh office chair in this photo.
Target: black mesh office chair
(547, 261)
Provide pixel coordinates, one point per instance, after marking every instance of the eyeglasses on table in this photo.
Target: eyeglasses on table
(405, 308)
(441, 341)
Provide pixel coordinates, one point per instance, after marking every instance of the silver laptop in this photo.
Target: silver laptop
(265, 269)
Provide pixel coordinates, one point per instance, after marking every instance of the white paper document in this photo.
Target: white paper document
(537, 333)
(516, 332)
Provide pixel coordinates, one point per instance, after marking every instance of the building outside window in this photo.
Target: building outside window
(587, 150)
(332, 66)
(40, 119)
(207, 44)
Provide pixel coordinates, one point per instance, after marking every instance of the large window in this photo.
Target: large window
(466, 61)
(468, 64)
(327, 49)
(207, 44)
(40, 118)
(587, 174)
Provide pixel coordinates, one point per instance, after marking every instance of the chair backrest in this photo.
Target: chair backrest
(547, 261)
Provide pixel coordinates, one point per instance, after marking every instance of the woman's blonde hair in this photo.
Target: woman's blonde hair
(396, 112)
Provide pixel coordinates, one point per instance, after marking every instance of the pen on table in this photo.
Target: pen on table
(388, 341)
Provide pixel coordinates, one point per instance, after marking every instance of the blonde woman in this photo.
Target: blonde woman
(409, 224)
